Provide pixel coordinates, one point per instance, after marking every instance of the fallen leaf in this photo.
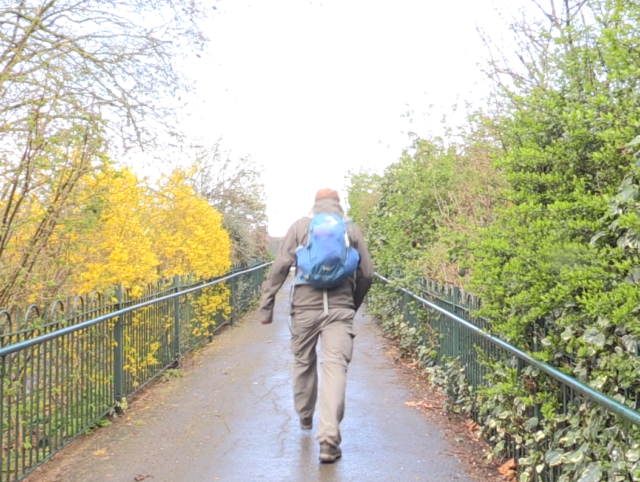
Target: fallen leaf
(414, 364)
(140, 477)
(453, 453)
(431, 406)
(100, 452)
(269, 341)
(472, 426)
(507, 466)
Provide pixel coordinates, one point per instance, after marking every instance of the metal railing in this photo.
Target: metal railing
(463, 336)
(57, 383)
(21, 323)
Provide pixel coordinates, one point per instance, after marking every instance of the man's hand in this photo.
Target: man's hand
(266, 322)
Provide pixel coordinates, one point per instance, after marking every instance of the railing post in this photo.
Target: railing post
(118, 352)
(456, 327)
(213, 323)
(254, 284)
(405, 309)
(232, 301)
(176, 322)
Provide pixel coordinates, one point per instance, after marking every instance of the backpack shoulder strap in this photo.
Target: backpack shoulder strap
(302, 231)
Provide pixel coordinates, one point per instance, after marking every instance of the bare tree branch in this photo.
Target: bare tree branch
(75, 77)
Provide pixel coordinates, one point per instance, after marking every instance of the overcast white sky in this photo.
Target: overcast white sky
(312, 89)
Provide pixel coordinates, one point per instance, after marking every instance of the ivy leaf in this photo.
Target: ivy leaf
(593, 337)
(596, 237)
(620, 398)
(633, 455)
(630, 342)
(531, 423)
(575, 457)
(569, 438)
(604, 322)
(634, 142)
(555, 457)
(599, 382)
(623, 241)
(567, 334)
(593, 473)
(633, 277)
(629, 192)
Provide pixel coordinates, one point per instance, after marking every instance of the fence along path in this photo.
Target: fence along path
(56, 385)
(62, 374)
(464, 337)
(231, 418)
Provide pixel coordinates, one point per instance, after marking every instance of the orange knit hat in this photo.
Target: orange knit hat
(327, 193)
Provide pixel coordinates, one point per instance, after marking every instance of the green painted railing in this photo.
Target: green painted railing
(60, 378)
(462, 336)
(22, 323)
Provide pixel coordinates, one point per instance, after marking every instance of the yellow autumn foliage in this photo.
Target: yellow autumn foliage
(118, 250)
(143, 234)
(118, 230)
(26, 223)
(186, 231)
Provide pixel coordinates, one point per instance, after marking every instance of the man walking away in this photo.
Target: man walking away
(333, 275)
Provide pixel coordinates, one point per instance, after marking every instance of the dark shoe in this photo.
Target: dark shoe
(329, 454)
(306, 423)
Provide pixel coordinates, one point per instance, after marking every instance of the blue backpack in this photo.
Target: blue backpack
(327, 259)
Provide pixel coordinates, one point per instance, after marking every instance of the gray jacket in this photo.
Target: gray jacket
(349, 295)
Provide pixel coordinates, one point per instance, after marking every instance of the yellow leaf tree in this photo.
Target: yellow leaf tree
(188, 236)
(118, 250)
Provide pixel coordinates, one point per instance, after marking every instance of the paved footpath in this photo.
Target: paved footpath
(231, 418)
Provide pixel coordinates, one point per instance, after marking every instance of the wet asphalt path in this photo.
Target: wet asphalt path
(231, 418)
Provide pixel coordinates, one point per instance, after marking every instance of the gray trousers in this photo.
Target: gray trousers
(336, 331)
